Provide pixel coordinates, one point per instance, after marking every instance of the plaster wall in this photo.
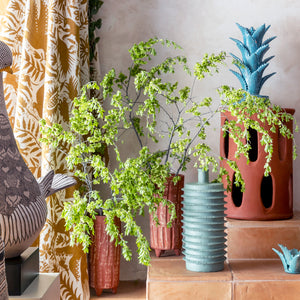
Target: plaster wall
(204, 27)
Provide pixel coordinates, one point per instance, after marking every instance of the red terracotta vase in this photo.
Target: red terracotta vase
(264, 198)
(163, 238)
(104, 259)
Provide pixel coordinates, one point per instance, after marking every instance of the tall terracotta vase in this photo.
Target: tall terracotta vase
(264, 198)
(163, 238)
(104, 259)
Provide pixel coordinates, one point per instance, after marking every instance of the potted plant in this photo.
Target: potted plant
(140, 180)
(262, 132)
(99, 124)
(160, 110)
(91, 130)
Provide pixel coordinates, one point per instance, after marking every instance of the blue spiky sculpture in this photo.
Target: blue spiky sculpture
(252, 65)
(290, 259)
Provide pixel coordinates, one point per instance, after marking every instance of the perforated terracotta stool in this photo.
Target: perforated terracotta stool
(264, 198)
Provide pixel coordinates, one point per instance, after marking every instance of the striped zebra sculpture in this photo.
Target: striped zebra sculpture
(23, 208)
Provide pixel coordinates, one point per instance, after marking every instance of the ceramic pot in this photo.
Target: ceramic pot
(104, 258)
(204, 225)
(163, 238)
(290, 259)
(264, 198)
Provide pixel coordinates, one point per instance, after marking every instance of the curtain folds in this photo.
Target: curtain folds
(49, 41)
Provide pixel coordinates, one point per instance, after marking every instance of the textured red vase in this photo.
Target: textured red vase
(264, 198)
(163, 238)
(104, 259)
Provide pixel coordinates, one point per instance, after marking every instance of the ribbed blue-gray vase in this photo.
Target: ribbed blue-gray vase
(204, 225)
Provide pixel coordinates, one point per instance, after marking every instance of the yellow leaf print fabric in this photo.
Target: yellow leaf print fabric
(49, 42)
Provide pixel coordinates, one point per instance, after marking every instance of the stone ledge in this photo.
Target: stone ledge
(44, 287)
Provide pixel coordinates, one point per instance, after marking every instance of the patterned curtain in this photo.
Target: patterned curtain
(49, 41)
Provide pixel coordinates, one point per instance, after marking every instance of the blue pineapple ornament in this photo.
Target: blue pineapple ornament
(290, 259)
(252, 64)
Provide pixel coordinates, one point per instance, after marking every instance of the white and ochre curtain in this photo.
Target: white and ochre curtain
(49, 41)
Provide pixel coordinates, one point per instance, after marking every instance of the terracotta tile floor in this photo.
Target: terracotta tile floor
(242, 279)
(254, 272)
(127, 290)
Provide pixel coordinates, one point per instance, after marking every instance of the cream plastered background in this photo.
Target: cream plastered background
(200, 27)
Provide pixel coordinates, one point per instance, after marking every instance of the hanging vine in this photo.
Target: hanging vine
(94, 24)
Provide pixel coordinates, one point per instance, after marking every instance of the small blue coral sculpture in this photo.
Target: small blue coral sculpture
(290, 259)
(252, 65)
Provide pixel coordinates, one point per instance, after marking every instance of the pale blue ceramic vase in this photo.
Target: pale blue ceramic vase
(204, 225)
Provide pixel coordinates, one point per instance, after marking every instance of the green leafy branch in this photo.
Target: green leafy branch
(91, 127)
(243, 107)
(168, 110)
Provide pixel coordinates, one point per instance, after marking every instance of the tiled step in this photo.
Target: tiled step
(250, 279)
(263, 279)
(255, 239)
(127, 290)
(167, 279)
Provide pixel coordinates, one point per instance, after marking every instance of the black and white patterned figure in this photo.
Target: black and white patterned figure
(23, 208)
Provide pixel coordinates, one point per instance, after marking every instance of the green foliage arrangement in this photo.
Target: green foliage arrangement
(158, 109)
(91, 127)
(147, 101)
(96, 124)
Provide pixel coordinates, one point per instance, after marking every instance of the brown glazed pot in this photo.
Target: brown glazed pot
(163, 238)
(104, 258)
(264, 198)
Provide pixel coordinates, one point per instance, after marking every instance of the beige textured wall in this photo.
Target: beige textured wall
(201, 26)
